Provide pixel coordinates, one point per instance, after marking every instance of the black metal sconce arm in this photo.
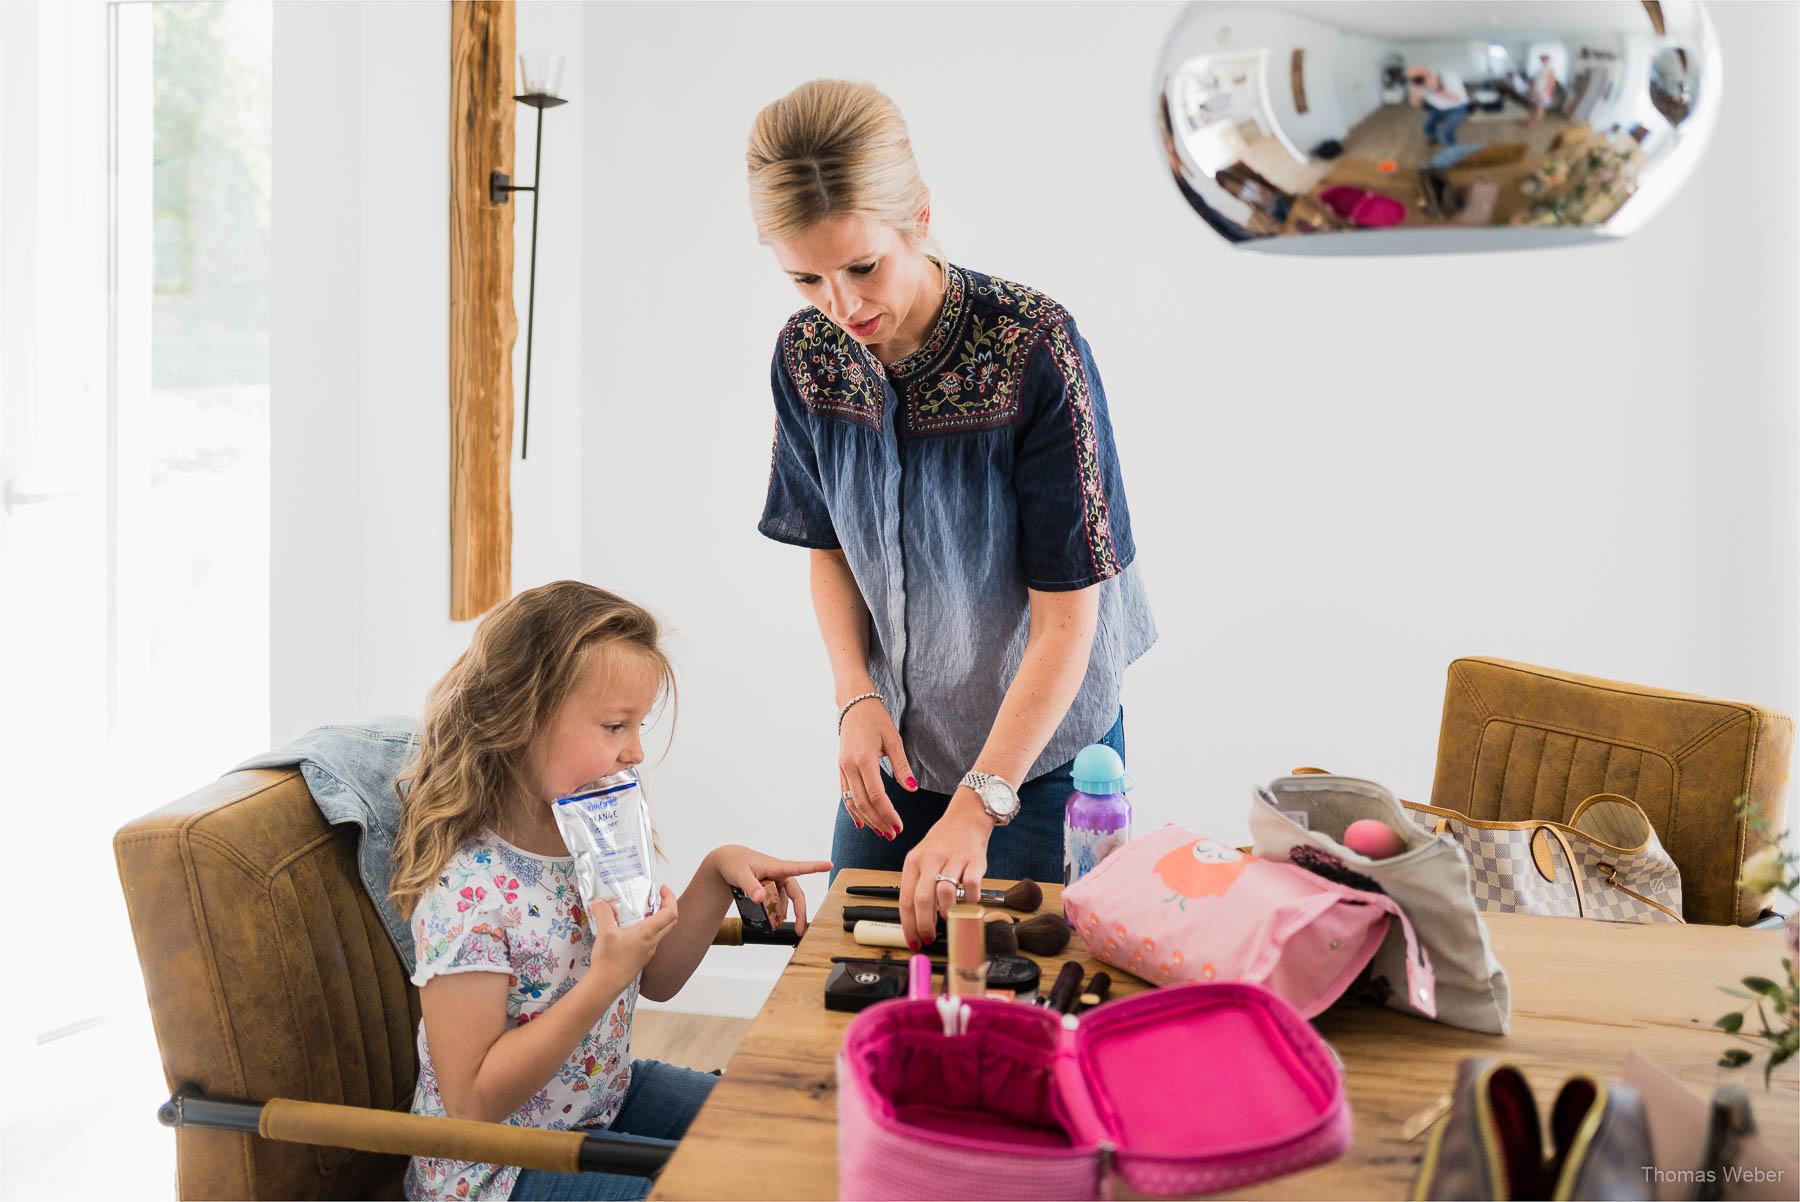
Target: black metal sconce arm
(500, 190)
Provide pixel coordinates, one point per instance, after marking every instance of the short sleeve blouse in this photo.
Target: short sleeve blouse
(954, 480)
(498, 908)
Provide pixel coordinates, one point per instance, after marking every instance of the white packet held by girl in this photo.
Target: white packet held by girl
(606, 825)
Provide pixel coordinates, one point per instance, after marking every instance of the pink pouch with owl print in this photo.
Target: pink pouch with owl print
(1173, 906)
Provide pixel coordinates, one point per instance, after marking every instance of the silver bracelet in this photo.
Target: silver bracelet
(846, 707)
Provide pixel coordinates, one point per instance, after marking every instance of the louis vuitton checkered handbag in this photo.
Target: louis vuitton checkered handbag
(1605, 863)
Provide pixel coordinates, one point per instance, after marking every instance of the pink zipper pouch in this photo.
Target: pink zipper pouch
(1173, 906)
(1180, 1091)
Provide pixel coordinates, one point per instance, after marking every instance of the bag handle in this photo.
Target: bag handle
(1615, 820)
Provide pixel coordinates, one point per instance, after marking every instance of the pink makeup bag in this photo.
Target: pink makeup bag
(1174, 906)
(1180, 1091)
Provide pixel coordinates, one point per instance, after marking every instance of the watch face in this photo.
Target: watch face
(1000, 797)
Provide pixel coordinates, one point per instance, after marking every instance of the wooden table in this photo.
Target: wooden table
(1584, 994)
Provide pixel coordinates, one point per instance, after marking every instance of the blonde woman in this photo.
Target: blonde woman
(943, 450)
(526, 987)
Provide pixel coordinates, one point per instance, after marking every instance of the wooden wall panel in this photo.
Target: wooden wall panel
(483, 323)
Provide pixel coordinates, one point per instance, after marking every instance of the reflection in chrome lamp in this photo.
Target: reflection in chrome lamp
(1424, 127)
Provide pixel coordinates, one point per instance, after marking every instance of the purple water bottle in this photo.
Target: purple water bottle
(1097, 819)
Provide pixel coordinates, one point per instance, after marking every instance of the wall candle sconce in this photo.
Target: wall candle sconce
(542, 74)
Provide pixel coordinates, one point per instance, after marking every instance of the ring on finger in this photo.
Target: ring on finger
(846, 797)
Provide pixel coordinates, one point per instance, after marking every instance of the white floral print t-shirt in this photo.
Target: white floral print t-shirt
(499, 908)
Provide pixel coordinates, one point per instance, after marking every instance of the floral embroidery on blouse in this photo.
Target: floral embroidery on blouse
(979, 384)
(499, 909)
(956, 291)
(1087, 451)
(830, 370)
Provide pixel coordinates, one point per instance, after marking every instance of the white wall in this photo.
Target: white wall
(1343, 473)
(1341, 71)
(360, 402)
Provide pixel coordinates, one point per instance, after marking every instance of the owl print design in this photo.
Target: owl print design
(1203, 868)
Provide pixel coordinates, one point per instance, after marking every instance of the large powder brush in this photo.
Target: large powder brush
(998, 935)
(1025, 897)
(1045, 935)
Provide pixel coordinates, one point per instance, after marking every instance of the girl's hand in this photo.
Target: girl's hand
(869, 734)
(630, 946)
(748, 870)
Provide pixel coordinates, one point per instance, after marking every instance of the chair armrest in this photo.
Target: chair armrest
(387, 1131)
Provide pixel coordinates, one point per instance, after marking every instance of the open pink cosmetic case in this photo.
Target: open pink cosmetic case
(1189, 1089)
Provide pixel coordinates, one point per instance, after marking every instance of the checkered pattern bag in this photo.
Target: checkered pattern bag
(1606, 863)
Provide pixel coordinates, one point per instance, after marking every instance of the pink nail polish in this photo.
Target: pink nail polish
(911, 783)
(912, 946)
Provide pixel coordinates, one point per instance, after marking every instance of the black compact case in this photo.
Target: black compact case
(857, 984)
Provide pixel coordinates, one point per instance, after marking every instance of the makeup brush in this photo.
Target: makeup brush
(992, 918)
(890, 934)
(1000, 937)
(1062, 994)
(1045, 935)
(1095, 993)
(1025, 897)
(855, 914)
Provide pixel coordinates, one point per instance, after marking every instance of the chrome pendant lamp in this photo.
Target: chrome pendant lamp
(1387, 127)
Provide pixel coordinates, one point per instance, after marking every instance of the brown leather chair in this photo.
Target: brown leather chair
(1521, 742)
(270, 976)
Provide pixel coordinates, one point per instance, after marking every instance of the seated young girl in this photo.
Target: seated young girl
(527, 988)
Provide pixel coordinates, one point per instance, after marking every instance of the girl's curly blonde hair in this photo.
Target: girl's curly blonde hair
(471, 758)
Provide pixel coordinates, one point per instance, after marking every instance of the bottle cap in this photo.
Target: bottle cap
(1099, 770)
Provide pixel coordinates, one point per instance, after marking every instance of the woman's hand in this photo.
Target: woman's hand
(955, 846)
(630, 946)
(867, 735)
(748, 870)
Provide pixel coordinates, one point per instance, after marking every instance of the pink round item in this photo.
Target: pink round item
(1369, 209)
(1373, 838)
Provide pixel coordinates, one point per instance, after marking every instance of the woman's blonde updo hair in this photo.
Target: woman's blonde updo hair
(832, 147)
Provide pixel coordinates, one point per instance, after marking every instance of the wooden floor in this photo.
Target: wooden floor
(1396, 132)
(698, 1041)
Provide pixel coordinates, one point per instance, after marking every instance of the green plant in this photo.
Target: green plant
(1776, 867)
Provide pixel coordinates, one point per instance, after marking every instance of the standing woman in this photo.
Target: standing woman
(942, 447)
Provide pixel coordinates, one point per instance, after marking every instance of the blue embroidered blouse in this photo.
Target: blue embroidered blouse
(954, 479)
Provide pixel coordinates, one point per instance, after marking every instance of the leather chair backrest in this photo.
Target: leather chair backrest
(269, 974)
(1520, 742)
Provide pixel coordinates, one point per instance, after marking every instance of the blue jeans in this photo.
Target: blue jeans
(1441, 123)
(1031, 845)
(659, 1104)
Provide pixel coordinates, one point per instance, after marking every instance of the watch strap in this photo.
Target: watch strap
(977, 780)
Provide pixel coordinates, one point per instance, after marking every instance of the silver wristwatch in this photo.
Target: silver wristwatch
(997, 797)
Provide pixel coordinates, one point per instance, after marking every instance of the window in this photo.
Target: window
(134, 529)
